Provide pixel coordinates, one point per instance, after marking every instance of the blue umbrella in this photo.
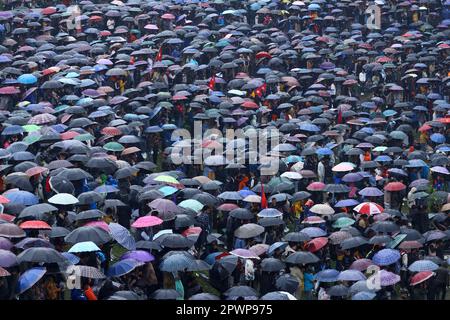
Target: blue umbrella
(246, 192)
(309, 127)
(21, 197)
(122, 236)
(386, 257)
(313, 7)
(383, 159)
(29, 278)
(437, 138)
(275, 246)
(364, 295)
(351, 275)
(314, 232)
(293, 159)
(27, 79)
(346, 203)
(123, 267)
(12, 130)
(168, 190)
(73, 259)
(327, 275)
(324, 152)
(176, 262)
(371, 192)
(85, 246)
(211, 258)
(106, 188)
(389, 113)
(423, 265)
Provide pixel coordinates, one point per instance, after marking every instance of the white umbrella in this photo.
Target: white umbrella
(323, 209)
(298, 166)
(253, 199)
(63, 199)
(292, 175)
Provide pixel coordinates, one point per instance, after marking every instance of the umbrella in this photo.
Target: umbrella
(339, 236)
(122, 236)
(58, 232)
(7, 259)
(85, 246)
(244, 253)
(361, 264)
(287, 282)
(241, 291)
(270, 213)
(29, 278)
(271, 265)
(21, 197)
(242, 214)
(394, 186)
(204, 296)
(338, 291)
(313, 232)
(302, 257)
(35, 224)
(198, 265)
(386, 257)
(423, 265)
(10, 230)
(278, 295)
(147, 221)
(41, 255)
(63, 199)
(191, 204)
(86, 272)
(388, 278)
(33, 242)
(371, 192)
(421, 277)
(343, 222)
(88, 233)
(165, 294)
(138, 255)
(249, 230)
(353, 243)
(123, 267)
(322, 209)
(327, 275)
(351, 275)
(316, 244)
(176, 262)
(297, 237)
(369, 208)
(364, 295)
(175, 241)
(385, 226)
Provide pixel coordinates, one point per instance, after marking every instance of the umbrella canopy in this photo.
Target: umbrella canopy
(123, 267)
(386, 257)
(249, 230)
(40, 254)
(29, 278)
(421, 277)
(88, 233)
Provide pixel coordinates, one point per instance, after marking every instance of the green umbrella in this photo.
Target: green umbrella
(191, 204)
(61, 108)
(396, 241)
(113, 146)
(343, 222)
(84, 137)
(166, 178)
(31, 139)
(31, 127)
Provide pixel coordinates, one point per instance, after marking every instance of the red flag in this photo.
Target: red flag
(263, 198)
(339, 119)
(159, 55)
(212, 82)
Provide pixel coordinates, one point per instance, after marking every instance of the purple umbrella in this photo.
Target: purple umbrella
(5, 244)
(352, 177)
(371, 192)
(7, 259)
(361, 264)
(386, 257)
(346, 203)
(418, 182)
(138, 255)
(388, 278)
(441, 170)
(434, 235)
(166, 208)
(351, 275)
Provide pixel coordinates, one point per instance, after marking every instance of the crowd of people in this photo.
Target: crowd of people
(116, 176)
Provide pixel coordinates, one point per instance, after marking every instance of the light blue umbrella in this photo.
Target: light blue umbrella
(176, 262)
(71, 258)
(106, 189)
(314, 232)
(437, 138)
(122, 236)
(269, 213)
(211, 258)
(167, 190)
(27, 79)
(85, 246)
(423, 265)
(324, 152)
(309, 127)
(275, 246)
(313, 7)
(351, 275)
(195, 205)
(29, 278)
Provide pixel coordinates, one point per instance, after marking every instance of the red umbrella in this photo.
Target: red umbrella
(99, 224)
(7, 217)
(421, 277)
(9, 90)
(369, 208)
(425, 127)
(227, 207)
(410, 245)
(192, 230)
(35, 224)
(316, 186)
(3, 200)
(263, 54)
(444, 120)
(35, 171)
(96, 18)
(250, 105)
(394, 186)
(313, 220)
(69, 135)
(111, 131)
(316, 244)
(48, 11)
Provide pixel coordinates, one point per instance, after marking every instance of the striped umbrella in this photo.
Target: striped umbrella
(369, 208)
(85, 271)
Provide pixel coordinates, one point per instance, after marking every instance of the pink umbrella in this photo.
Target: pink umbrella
(147, 221)
(316, 244)
(100, 224)
(259, 249)
(410, 245)
(42, 118)
(316, 186)
(151, 27)
(9, 90)
(244, 253)
(227, 207)
(421, 277)
(35, 171)
(168, 16)
(369, 208)
(192, 231)
(361, 264)
(394, 186)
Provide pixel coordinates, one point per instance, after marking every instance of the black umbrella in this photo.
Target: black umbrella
(385, 226)
(58, 232)
(297, 237)
(287, 282)
(380, 240)
(302, 257)
(301, 195)
(269, 222)
(242, 214)
(206, 199)
(87, 233)
(338, 291)
(89, 197)
(175, 241)
(37, 210)
(353, 242)
(165, 294)
(89, 214)
(183, 220)
(241, 291)
(61, 185)
(41, 255)
(272, 265)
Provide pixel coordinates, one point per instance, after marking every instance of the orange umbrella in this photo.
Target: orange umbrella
(394, 186)
(35, 224)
